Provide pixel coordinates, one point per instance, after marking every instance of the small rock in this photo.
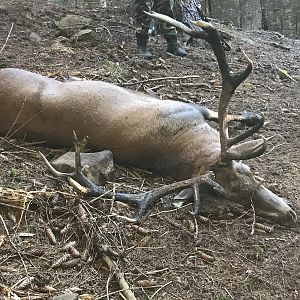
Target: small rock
(58, 46)
(35, 37)
(3, 10)
(87, 297)
(69, 24)
(69, 296)
(98, 166)
(84, 35)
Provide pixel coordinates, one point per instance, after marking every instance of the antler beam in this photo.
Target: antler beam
(143, 201)
(230, 82)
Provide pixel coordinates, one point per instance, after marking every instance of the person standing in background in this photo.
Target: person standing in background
(143, 26)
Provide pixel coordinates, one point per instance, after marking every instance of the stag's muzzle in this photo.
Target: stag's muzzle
(270, 205)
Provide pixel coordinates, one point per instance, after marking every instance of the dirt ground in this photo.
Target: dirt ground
(178, 256)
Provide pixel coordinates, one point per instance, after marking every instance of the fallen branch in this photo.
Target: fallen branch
(125, 289)
(180, 227)
(284, 74)
(253, 219)
(9, 33)
(158, 290)
(13, 245)
(159, 79)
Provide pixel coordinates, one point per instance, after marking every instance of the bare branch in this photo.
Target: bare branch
(7, 38)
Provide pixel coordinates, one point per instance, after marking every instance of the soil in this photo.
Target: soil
(179, 256)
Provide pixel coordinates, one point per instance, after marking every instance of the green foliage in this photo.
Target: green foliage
(13, 173)
(247, 284)
(223, 296)
(259, 251)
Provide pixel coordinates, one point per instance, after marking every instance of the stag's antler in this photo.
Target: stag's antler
(143, 201)
(229, 149)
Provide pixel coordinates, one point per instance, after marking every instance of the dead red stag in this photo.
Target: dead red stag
(169, 137)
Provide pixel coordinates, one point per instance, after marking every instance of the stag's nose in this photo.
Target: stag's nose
(273, 207)
(290, 218)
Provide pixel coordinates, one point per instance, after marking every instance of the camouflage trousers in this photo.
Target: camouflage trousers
(181, 10)
(143, 22)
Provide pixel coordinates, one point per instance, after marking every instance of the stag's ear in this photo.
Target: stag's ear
(247, 150)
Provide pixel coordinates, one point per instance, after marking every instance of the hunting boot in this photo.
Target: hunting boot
(173, 46)
(142, 40)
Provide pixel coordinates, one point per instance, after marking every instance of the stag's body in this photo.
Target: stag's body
(169, 137)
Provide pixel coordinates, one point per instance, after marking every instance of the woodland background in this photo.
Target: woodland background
(275, 15)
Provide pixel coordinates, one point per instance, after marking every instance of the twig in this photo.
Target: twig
(156, 271)
(134, 288)
(170, 210)
(98, 29)
(14, 122)
(107, 285)
(2, 139)
(15, 206)
(159, 79)
(9, 33)
(113, 199)
(196, 227)
(14, 246)
(284, 74)
(274, 147)
(143, 242)
(155, 88)
(178, 226)
(126, 291)
(228, 293)
(158, 290)
(254, 218)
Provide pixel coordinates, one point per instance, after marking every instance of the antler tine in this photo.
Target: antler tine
(53, 170)
(78, 145)
(229, 84)
(178, 25)
(245, 150)
(169, 20)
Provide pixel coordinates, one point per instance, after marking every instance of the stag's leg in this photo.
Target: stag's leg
(247, 118)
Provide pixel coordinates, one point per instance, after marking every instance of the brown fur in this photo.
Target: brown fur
(169, 137)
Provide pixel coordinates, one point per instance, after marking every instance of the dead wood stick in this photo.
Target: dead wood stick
(283, 74)
(268, 229)
(140, 229)
(158, 290)
(125, 289)
(159, 79)
(178, 226)
(9, 33)
(14, 246)
(254, 218)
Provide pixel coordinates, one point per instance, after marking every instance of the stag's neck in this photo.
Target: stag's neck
(235, 178)
(191, 154)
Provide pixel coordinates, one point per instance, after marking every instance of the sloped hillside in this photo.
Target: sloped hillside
(175, 256)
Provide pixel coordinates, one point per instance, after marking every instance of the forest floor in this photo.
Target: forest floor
(178, 256)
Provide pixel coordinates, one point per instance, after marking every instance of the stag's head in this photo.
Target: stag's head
(235, 176)
(230, 172)
(240, 183)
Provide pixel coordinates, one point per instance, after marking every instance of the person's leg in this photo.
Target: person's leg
(170, 34)
(142, 26)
